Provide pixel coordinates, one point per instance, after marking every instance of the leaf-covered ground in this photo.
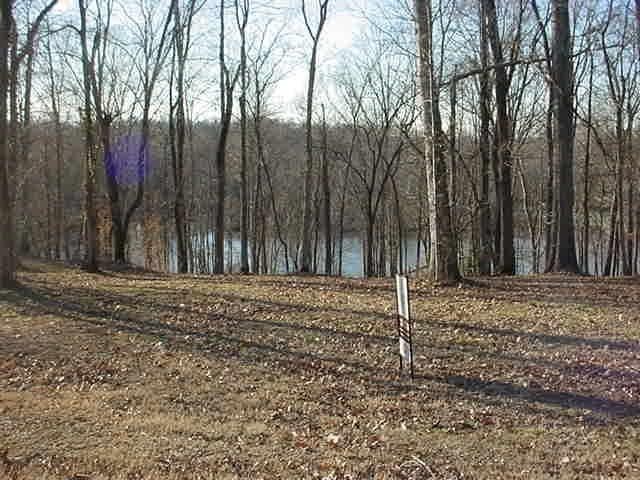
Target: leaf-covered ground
(144, 375)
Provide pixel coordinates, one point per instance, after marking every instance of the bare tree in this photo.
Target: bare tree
(11, 57)
(326, 199)
(228, 82)
(622, 80)
(7, 265)
(242, 18)
(484, 259)
(550, 203)
(264, 73)
(177, 128)
(55, 88)
(154, 52)
(565, 259)
(91, 228)
(584, 264)
(307, 257)
(506, 261)
(444, 251)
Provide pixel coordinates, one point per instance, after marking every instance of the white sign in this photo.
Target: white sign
(404, 325)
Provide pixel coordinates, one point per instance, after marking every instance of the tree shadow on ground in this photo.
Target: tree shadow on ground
(227, 338)
(547, 338)
(560, 290)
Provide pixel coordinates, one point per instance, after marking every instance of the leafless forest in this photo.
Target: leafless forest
(162, 129)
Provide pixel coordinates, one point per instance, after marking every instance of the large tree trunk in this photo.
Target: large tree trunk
(7, 266)
(444, 258)
(506, 262)
(565, 259)
(484, 259)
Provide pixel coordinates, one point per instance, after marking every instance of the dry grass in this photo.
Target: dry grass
(144, 376)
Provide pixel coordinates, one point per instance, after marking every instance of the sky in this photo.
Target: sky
(341, 30)
(345, 22)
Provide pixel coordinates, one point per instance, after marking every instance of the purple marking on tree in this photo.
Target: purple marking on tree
(128, 161)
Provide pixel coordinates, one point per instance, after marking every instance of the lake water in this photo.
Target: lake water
(352, 260)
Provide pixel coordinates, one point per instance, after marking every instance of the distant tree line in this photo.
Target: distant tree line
(469, 127)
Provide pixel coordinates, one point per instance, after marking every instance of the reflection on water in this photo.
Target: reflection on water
(352, 256)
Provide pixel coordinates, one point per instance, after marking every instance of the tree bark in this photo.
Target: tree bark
(242, 17)
(307, 220)
(91, 230)
(565, 259)
(444, 263)
(7, 266)
(506, 261)
(177, 136)
(326, 200)
(587, 160)
(25, 156)
(227, 85)
(59, 198)
(484, 259)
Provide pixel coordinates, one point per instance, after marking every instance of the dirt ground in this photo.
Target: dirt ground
(138, 375)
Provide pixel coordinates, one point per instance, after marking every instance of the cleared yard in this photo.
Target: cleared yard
(145, 375)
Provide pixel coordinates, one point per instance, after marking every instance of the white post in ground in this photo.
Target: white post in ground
(404, 324)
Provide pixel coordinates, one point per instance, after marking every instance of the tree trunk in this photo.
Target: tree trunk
(550, 230)
(343, 204)
(242, 17)
(258, 221)
(44, 161)
(177, 140)
(629, 248)
(397, 212)
(613, 221)
(91, 231)
(453, 94)
(369, 267)
(584, 267)
(119, 236)
(307, 220)
(227, 85)
(484, 259)
(565, 259)
(506, 262)
(26, 246)
(59, 199)
(619, 189)
(7, 266)
(550, 203)
(326, 201)
(444, 255)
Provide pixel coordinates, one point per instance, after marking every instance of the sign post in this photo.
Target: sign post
(404, 324)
